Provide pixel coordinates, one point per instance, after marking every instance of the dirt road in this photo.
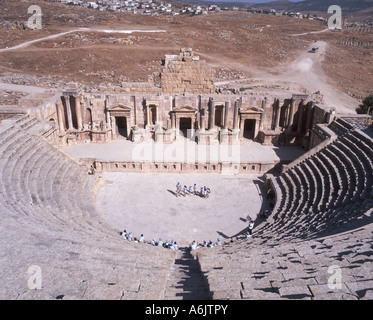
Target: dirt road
(305, 72)
(22, 88)
(27, 43)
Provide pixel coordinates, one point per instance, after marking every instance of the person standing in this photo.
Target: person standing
(178, 189)
(205, 193)
(250, 229)
(190, 191)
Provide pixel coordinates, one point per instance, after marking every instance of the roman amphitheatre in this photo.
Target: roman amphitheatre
(234, 101)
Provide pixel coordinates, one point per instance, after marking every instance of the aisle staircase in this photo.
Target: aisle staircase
(186, 280)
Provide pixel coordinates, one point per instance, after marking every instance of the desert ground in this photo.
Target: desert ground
(263, 52)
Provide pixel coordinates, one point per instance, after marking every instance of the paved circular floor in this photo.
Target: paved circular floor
(146, 203)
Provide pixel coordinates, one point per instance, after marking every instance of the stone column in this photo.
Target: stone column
(300, 118)
(68, 112)
(128, 126)
(203, 121)
(147, 115)
(291, 113)
(173, 120)
(226, 110)
(264, 117)
(78, 111)
(242, 127)
(60, 117)
(309, 116)
(108, 120)
(235, 131)
(113, 126)
(256, 129)
(133, 98)
(212, 115)
(177, 123)
(278, 113)
(235, 115)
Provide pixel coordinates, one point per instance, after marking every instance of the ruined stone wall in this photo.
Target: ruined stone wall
(354, 42)
(139, 88)
(185, 73)
(359, 28)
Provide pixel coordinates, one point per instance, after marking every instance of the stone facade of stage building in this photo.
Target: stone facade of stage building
(186, 103)
(206, 118)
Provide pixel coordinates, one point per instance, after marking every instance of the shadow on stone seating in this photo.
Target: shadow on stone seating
(194, 283)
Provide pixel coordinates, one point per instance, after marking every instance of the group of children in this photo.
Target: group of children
(168, 245)
(194, 245)
(172, 245)
(130, 237)
(204, 192)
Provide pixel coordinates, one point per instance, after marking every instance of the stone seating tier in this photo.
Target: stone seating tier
(322, 217)
(48, 219)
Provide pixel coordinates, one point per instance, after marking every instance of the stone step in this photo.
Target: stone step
(186, 280)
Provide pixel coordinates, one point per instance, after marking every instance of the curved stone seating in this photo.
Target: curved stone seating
(48, 219)
(322, 218)
(338, 179)
(251, 269)
(328, 225)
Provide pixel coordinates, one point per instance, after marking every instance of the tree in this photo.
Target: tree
(367, 106)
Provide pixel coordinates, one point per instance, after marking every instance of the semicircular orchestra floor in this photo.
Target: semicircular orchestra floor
(146, 204)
